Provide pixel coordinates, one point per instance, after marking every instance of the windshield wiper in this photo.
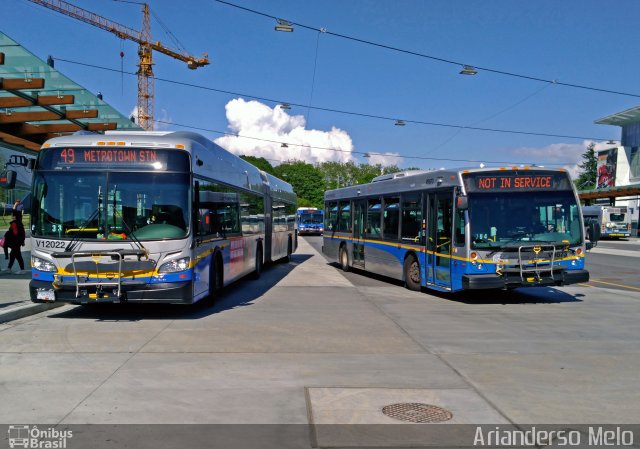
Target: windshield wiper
(131, 233)
(71, 246)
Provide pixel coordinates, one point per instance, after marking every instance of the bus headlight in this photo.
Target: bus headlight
(175, 265)
(41, 264)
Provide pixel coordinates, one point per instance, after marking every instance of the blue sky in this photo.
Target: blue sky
(574, 41)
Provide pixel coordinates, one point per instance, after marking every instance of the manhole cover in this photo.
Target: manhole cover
(416, 412)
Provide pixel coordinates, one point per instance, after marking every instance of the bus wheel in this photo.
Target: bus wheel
(289, 250)
(344, 259)
(412, 273)
(215, 282)
(258, 270)
(216, 278)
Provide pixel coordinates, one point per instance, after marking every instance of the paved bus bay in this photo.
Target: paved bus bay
(307, 344)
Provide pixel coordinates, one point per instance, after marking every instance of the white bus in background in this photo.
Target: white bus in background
(614, 221)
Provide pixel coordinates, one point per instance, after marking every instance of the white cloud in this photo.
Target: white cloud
(385, 159)
(254, 119)
(567, 154)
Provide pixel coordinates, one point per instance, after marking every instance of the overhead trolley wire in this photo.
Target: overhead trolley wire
(290, 144)
(338, 111)
(431, 57)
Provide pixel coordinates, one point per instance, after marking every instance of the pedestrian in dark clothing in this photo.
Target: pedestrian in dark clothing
(14, 239)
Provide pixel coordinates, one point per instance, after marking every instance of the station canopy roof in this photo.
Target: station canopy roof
(610, 192)
(621, 118)
(37, 102)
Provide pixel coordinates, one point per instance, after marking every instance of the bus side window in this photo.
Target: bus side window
(344, 223)
(391, 218)
(373, 218)
(331, 218)
(290, 210)
(412, 218)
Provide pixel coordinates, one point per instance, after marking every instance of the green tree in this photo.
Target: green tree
(259, 162)
(307, 181)
(303, 202)
(367, 171)
(341, 174)
(587, 178)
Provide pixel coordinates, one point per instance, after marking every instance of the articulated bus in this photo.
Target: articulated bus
(310, 220)
(151, 217)
(614, 222)
(452, 230)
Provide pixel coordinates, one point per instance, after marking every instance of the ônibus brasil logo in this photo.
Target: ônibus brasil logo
(30, 437)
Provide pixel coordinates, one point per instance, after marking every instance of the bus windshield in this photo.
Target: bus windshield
(313, 218)
(503, 220)
(110, 205)
(618, 218)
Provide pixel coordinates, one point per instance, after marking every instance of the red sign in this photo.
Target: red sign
(514, 182)
(71, 156)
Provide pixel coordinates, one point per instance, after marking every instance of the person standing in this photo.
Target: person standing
(14, 239)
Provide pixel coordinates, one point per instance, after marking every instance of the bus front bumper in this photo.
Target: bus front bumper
(168, 293)
(310, 231)
(507, 280)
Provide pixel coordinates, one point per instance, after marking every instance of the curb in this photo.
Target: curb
(26, 310)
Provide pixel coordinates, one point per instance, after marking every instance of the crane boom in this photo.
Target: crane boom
(145, 50)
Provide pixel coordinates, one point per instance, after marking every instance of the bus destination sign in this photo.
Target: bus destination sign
(516, 181)
(128, 156)
(97, 158)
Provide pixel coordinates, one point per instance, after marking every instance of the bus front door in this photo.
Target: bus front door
(440, 225)
(359, 211)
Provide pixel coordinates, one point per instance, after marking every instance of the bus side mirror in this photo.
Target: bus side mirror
(8, 179)
(462, 202)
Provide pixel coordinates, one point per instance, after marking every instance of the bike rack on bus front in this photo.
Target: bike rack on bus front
(537, 269)
(97, 256)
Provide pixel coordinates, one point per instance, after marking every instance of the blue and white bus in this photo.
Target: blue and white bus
(151, 217)
(613, 221)
(310, 220)
(452, 230)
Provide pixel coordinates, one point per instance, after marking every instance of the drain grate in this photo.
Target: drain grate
(417, 413)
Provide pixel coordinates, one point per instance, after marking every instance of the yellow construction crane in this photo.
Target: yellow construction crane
(145, 50)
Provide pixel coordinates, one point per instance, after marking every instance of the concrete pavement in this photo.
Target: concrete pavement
(14, 290)
(304, 345)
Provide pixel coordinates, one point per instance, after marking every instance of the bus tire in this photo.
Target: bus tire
(412, 278)
(216, 282)
(344, 259)
(258, 267)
